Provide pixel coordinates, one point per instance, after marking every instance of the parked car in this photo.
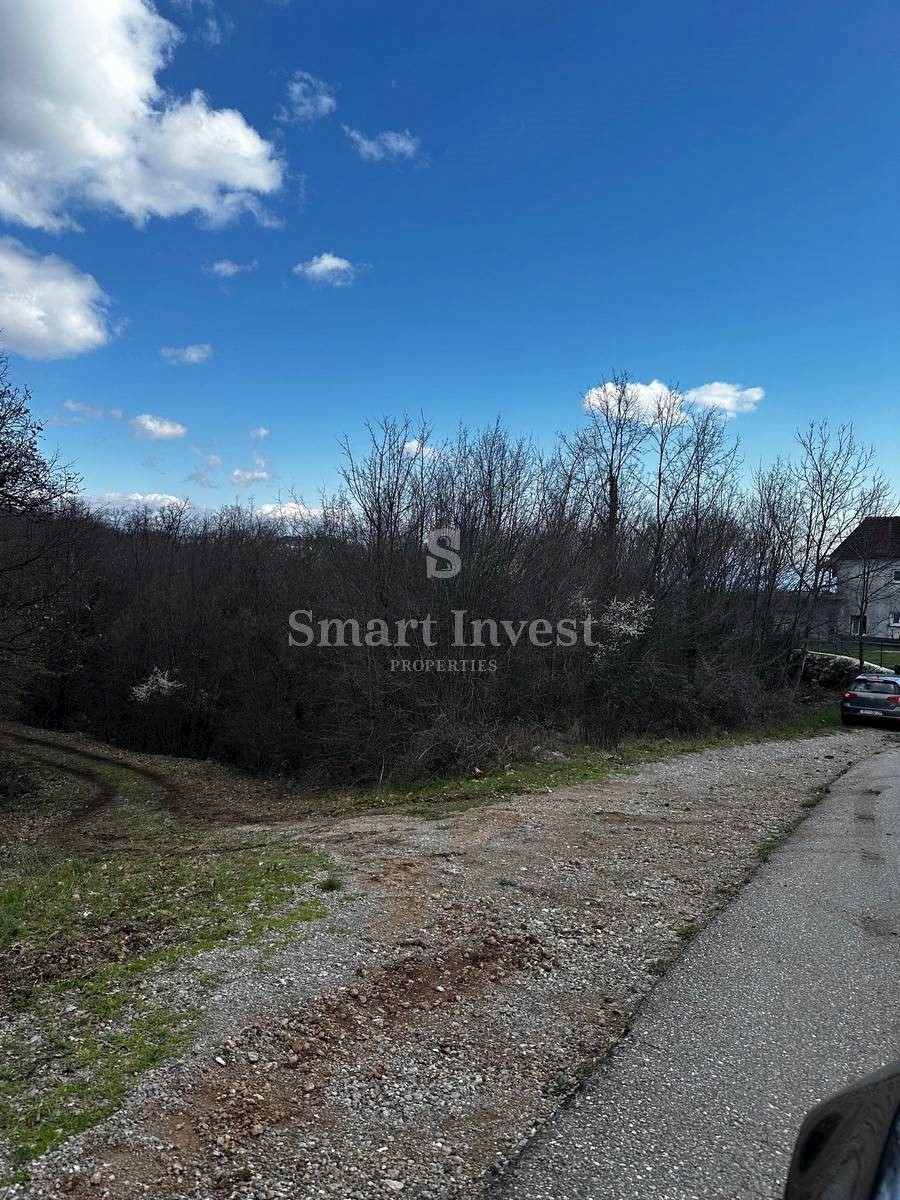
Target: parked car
(872, 698)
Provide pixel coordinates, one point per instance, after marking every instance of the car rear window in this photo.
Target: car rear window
(879, 687)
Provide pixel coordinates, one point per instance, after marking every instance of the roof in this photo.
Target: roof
(875, 537)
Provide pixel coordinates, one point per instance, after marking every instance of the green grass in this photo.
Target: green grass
(659, 966)
(188, 903)
(582, 764)
(879, 655)
(36, 1120)
(765, 849)
(84, 931)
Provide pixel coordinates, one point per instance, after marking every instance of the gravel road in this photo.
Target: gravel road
(787, 996)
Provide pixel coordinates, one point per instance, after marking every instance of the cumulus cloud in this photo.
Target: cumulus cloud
(392, 144)
(327, 269)
(287, 510)
(416, 447)
(729, 398)
(156, 500)
(224, 268)
(48, 308)
(259, 433)
(308, 99)
(190, 356)
(157, 428)
(241, 478)
(84, 122)
(644, 397)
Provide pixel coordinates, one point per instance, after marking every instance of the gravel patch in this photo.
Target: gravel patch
(471, 973)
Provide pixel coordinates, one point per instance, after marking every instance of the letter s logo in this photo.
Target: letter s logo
(448, 556)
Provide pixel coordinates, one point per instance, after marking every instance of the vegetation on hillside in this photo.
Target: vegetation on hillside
(169, 631)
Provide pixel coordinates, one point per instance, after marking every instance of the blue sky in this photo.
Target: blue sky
(531, 196)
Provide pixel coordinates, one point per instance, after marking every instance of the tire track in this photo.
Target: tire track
(106, 791)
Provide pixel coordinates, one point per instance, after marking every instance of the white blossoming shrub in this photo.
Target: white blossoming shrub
(157, 684)
(622, 621)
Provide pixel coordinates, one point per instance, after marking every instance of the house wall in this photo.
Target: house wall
(884, 596)
(826, 619)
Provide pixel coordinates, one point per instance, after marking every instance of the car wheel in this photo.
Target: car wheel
(847, 720)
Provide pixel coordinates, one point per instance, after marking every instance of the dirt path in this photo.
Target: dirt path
(474, 968)
(38, 745)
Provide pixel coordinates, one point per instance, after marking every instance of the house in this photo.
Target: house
(866, 567)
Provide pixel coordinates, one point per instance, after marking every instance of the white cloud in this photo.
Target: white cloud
(258, 473)
(201, 474)
(242, 478)
(48, 308)
(215, 30)
(308, 99)
(391, 144)
(157, 428)
(155, 500)
(644, 397)
(327, 269)
(85, 123)
(76, 413)
(116, 414)
(75, 406)
(259, 433)
(287, 510)
(224, 268)
(414, 447)
(729, 398)
(191, 356)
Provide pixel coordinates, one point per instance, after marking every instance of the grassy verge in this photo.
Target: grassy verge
(879, 655)
(582, 764)
(96, 917)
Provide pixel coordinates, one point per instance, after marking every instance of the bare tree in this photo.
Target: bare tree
(168, 630)
(40, 521)
(837, 486)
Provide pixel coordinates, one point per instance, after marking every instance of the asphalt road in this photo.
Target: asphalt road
(790, 994)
